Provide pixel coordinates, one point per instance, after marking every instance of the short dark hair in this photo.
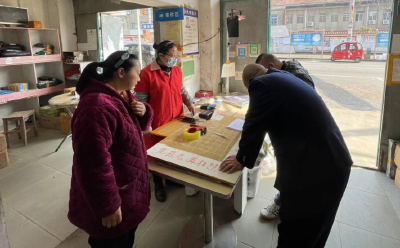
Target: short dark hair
(108, 65)
(259, 58)
(164, 46)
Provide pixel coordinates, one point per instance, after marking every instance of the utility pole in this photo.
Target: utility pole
(351, 21)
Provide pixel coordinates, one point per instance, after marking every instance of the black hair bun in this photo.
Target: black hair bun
(155, 46)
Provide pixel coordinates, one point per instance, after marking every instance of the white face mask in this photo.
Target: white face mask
(171, 61)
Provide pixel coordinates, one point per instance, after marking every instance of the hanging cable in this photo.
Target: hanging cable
(212, 37)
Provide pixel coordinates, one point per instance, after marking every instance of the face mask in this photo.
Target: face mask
(171, 61)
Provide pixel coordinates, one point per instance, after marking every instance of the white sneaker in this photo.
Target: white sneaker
(271, 212)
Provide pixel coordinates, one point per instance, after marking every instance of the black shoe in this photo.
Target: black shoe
(160, 193)
(172, 183)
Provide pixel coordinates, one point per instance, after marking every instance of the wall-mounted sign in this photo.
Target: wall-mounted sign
(148, 26)
(190, 31)
(254, 50)
(164, 15)
(241, 50)
(383, 40)
(311, 39)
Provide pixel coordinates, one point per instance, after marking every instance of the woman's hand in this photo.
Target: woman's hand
(192, 108)
(138, 108)
(112, 220)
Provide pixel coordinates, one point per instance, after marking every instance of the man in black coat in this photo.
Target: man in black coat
(313, 162)
(293, 66)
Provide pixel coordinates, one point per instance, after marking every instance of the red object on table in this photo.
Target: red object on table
(203, 93)
(194, 128)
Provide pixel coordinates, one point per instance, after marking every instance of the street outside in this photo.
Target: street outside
(353, 93)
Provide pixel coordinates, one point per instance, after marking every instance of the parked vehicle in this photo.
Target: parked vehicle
(349, 51)
(148, 52)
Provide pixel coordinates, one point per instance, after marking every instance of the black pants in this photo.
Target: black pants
(307, 215)
(157, 179)
(124, 241)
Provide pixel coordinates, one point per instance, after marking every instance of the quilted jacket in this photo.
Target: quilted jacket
(110, 168)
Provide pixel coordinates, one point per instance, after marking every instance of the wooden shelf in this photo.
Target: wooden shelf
(30, 93)
(23, 60)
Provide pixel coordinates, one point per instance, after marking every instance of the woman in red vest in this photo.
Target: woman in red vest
(161, 86)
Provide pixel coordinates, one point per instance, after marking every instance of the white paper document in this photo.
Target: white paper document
(236, 125)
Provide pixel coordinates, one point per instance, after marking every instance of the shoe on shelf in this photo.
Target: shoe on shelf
(160, 193)
(172, 183)
(271, 212)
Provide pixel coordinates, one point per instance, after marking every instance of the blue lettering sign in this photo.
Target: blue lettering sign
(311, 39)
(383, 40)
(164, 15)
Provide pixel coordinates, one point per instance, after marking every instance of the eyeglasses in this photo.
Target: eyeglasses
(124, 57)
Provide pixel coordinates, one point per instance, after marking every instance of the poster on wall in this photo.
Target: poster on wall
(254, 50)
(172, 31)
(241, 50)
(190, 31)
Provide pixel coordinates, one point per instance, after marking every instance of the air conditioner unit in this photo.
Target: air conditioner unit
(386, 22)
(372, 22)
(310, 24)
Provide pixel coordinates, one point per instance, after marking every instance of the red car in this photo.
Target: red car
(349, 51)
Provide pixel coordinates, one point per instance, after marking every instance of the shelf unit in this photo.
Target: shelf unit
(69, 66)
(26, 69)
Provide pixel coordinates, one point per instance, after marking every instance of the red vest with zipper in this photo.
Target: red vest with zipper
(164, 97)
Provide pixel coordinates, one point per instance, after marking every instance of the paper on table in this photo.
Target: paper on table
(194, 162)
(396, 70)
(216, 116)
(236, 125)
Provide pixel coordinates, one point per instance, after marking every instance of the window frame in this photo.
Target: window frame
(358, 15)
(334, 15)
(274, 17)
(302, 18)
(322, 16)
(347, 15)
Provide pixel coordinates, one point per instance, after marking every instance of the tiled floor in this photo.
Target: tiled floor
(35, 191)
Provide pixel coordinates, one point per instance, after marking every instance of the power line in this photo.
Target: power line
(212, 37)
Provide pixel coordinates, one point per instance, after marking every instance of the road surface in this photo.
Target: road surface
(353, 93)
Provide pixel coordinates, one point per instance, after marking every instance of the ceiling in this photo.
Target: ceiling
(153, 3)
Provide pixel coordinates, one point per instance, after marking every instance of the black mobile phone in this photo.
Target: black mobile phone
(189, 120)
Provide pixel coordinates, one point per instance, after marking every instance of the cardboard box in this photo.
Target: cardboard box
(3, 143)
(35, 24)
(51, 122)
(397, 179)
(391, 166)
(3, 159)
(65, 123)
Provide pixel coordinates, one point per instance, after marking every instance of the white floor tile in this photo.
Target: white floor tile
(22, 179)
(186, 207)
(365, 180)
(16, 163)
(29, 235)
(151, 216)
(334, 237)
(370, 212)
(13, 218)
(356, 238)
(172, 192)
(391, 190)
(253, 230)
(163, 232)
(46, 204)
(241, 245)
(61, 160)
(79, 239)
(266, 189)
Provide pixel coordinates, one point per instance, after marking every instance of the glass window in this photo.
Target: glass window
(289, 19)
(300, 19)
(310, 18)
(346, 17)
(343, 47)
(387, 15)
(334, 17)
(322, 17)
(359, 46)
(133, 26)
(352, 47)
(373, 15)
(359, 16)
(274, 20)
